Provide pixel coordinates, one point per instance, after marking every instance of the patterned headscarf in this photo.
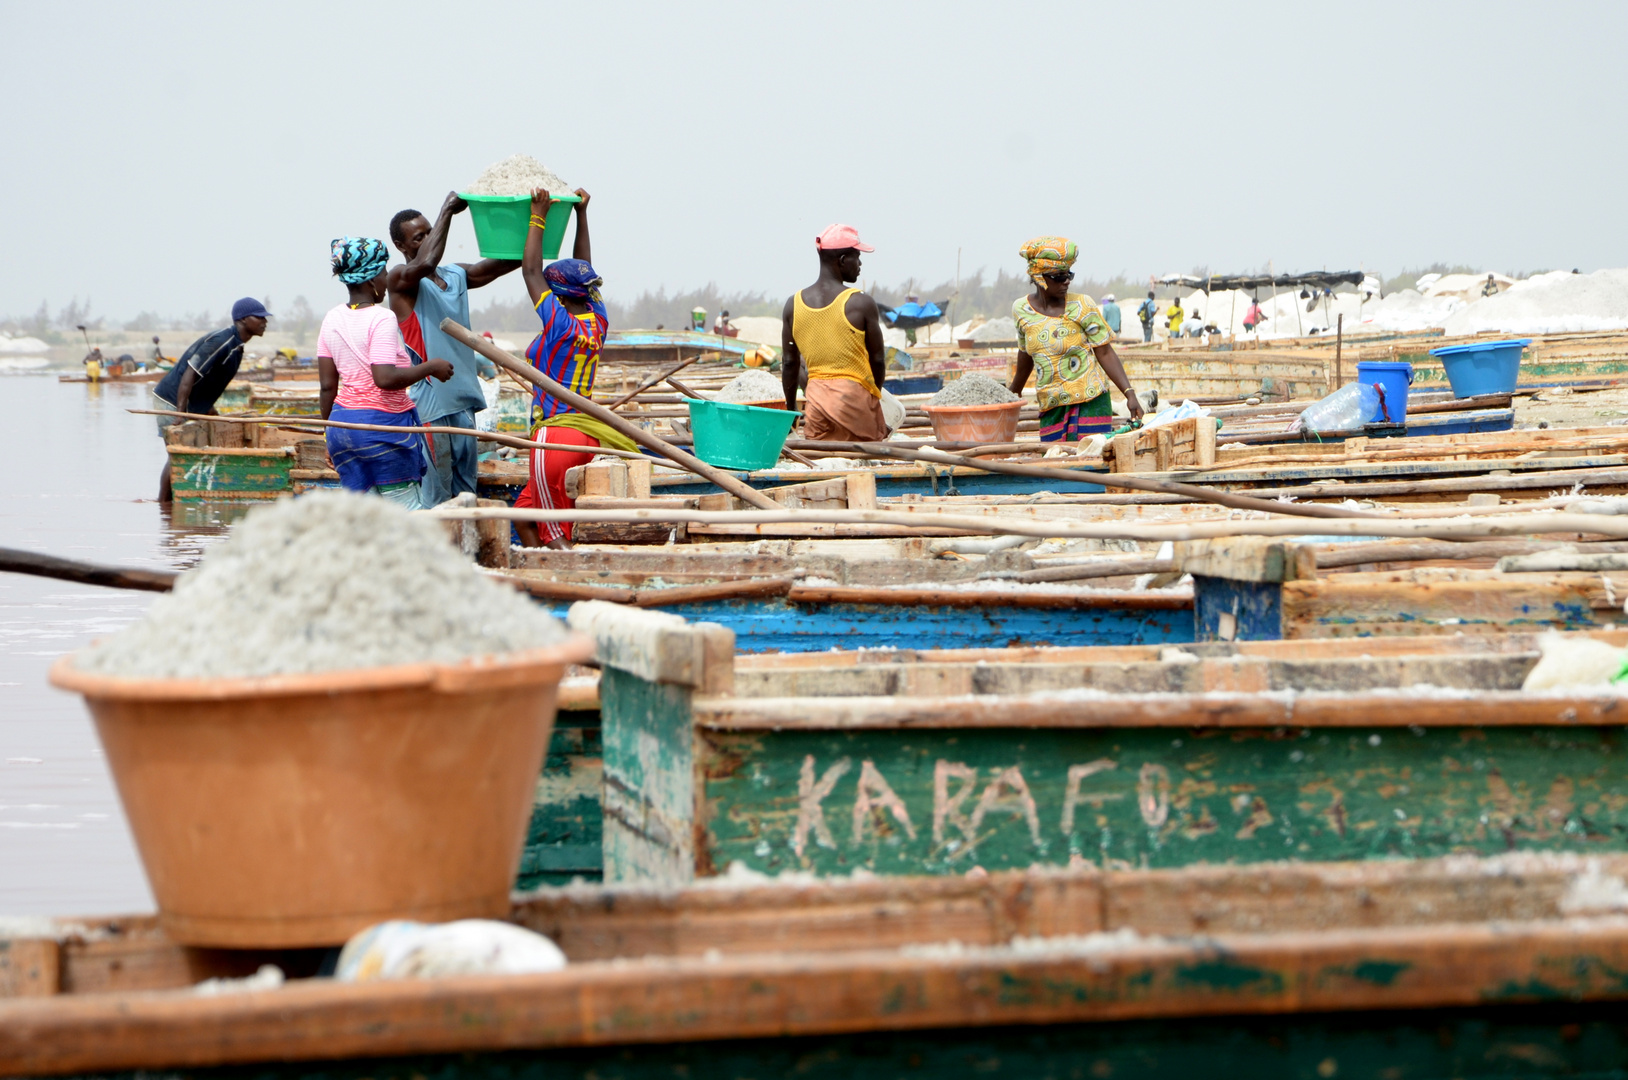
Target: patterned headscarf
(358, 258)
(575, 278)
(1049, 253)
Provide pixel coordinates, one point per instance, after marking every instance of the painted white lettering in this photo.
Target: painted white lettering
(810, 814)
(947, 808)
(1008, 792)
(1153, 794)
(1072, 797)
(874, 791)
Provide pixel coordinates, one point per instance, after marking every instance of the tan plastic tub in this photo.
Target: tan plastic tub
(296, 810)
(988, 424)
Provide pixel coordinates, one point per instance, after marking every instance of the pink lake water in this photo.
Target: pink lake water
(80, 480)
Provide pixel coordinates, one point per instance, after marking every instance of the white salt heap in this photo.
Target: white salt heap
(753, 384)
(328, 581)
(972, 390)
(1554, 303)
(517, 175)
(1001, 329)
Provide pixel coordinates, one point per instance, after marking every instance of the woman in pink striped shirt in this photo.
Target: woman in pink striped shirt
(365, 373)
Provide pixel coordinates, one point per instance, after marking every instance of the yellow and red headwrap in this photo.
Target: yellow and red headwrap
(1049, 253)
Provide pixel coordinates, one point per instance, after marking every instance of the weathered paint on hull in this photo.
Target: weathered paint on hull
(566, 836)
(203, 475)
(774, 625)
(1530, 1041)
(943, 801)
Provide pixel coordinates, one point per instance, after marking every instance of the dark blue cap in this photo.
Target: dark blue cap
(248, 307)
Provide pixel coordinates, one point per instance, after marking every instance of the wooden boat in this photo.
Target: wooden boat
(668, 346)
(1448, 967)
(1309, 368)
(1457, 965)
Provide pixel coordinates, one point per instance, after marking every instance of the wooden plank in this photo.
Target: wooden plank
(30, 967)
(657, 647)
(807, 994)
(1246, 558)
(1448, 602)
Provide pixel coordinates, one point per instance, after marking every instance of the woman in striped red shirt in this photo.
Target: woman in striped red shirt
(566, 296)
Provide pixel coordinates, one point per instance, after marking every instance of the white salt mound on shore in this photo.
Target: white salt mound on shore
(1554, 303)
(325, 582)
(1001, 329)
(517, 175)
(753, 384)
(973, 390)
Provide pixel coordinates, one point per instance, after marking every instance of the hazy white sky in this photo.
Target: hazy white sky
(174, 156)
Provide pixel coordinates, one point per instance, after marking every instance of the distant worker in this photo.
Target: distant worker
(565, 295)
(422, 293)
(1110, 313)
(155, 355)
(721, 326)
(1147, 313)
(200, 376)
(1490, 288)
(1173, 317)
(1064, 340)
(698, 319)
(1195, 324)
(1254, 316)
(836, 331)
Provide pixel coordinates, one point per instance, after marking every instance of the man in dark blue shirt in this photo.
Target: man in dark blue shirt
(200, 376)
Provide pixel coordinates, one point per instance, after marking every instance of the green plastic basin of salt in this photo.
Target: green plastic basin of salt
(733, 436)
(501, 222)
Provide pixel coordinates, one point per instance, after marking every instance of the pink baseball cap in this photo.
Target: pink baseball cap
(837, 237)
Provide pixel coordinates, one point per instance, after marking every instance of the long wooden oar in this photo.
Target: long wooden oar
(15, 561)
(648, 383)
(1515, 524)
(428, 429)
(679, 457)
(1122, 480)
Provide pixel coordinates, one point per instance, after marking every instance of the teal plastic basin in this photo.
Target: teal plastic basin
(743, 437)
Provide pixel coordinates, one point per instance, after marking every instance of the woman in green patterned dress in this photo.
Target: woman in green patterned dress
(1064, 340)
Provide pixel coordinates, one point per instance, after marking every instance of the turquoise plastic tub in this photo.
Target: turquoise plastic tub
(501, 222)
(733, 436)
(1394, 377)
(1487, 367)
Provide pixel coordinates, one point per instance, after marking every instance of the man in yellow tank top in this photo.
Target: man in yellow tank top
(836, 332)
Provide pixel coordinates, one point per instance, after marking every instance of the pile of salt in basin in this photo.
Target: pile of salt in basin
(973, 390)
(517, 175)
(752, 385)
(325, 582)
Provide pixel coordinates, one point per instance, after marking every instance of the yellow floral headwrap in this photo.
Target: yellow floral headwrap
(1049, 253)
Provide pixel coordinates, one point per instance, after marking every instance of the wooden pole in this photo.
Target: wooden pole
(1521, 524)
(430, 429)
(15, 561)
(1339, 348)
(686, 391)
(1122, 480)
(648, 383)
(689, 461)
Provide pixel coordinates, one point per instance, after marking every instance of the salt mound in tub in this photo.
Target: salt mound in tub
(325, 582)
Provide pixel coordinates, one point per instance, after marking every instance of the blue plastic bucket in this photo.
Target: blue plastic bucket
(1487, 367)
(1394, 377)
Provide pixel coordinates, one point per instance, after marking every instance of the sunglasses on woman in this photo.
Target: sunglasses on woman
(1059, 277)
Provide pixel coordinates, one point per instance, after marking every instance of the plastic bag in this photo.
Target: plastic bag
(1186, 410)
(412, 950)
(1346, 409)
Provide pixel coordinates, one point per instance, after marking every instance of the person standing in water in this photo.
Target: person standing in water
(1064, 340)
(422, 293)
(836, 331)
(197, 380)
(364, 372)
(565, 295)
